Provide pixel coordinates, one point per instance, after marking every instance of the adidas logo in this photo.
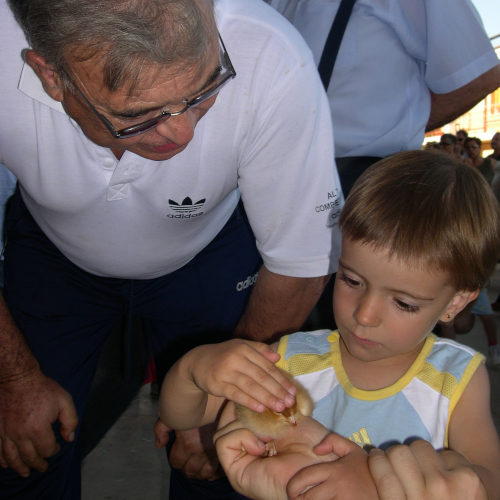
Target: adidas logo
(242, 285)
(187, 209)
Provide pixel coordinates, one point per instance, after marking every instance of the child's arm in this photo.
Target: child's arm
(472, 432)
(240, 370)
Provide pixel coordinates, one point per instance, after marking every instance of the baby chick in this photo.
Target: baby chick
(271, 424)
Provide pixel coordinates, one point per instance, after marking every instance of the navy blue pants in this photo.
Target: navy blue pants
(66, 315)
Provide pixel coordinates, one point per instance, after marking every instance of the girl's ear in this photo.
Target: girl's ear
(50, 79)
(457, 303)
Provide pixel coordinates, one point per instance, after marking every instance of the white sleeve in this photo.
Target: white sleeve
(287, 176)
(287, 8)
(449, 38)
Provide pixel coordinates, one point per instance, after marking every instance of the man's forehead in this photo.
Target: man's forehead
(158, 85)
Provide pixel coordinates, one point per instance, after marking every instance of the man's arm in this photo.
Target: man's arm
(16, 359)
(278, 305)
(447, 107)
(29, 404)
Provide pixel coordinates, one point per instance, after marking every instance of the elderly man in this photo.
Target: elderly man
(175, 162)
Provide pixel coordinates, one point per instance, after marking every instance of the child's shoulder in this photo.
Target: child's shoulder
(306, 352)
(450, 356)
(312, 342)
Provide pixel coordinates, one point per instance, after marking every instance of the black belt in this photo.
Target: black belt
(351, 167)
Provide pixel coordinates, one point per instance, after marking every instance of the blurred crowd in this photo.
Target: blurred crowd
(471, 151)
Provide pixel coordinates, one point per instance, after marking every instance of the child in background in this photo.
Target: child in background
(421, 236)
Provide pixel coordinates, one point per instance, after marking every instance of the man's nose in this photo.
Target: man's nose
(178, 129)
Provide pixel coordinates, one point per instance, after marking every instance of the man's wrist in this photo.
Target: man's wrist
(26, 372)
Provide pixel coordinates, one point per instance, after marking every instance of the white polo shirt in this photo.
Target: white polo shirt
(392, 53)
(268, 136)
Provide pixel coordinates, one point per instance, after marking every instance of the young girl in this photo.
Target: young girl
(421, 235)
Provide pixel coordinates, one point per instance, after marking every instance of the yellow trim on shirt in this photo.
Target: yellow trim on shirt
(468, 373)
(384, 392)
(299, 364)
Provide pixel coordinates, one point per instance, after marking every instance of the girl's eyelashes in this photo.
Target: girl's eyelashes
(349, 281)
(355, 283)
(404, 306)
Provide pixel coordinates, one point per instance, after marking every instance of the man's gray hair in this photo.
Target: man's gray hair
(129, 34)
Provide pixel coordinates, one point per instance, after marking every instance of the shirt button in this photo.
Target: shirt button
(109, 162)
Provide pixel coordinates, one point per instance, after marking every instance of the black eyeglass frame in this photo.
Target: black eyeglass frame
(227, 72)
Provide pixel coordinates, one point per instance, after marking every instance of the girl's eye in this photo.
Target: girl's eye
(349, 281)
(405, 306)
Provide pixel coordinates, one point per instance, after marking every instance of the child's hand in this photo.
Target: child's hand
(242, 371)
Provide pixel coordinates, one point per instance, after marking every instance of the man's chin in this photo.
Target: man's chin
(157, 153)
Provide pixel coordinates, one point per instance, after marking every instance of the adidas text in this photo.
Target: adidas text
(182, 216)
(242, 285)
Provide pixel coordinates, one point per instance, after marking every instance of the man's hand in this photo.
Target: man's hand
(162, 434)
(28, 407)
(419, 472)
(194, 454)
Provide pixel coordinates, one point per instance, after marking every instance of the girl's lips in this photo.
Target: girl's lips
(363, 341)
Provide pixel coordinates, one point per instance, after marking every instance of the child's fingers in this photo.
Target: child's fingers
(267, 384)
(257, 396)
(243, 373)
(264, 349)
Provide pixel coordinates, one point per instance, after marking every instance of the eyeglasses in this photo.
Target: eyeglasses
(226, 73)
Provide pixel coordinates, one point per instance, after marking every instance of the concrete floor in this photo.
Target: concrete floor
(126, 466)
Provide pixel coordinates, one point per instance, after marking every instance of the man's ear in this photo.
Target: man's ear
(457, 303)
(50, 79)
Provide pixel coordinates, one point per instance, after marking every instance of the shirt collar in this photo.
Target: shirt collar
(30, 85)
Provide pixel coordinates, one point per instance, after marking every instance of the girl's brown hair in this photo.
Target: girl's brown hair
(430, 210)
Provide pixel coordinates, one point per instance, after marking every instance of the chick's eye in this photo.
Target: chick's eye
(404, 306)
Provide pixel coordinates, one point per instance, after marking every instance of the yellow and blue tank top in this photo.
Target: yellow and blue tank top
(418, 405)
